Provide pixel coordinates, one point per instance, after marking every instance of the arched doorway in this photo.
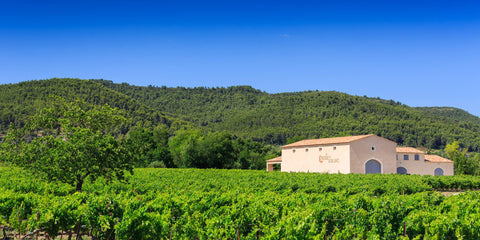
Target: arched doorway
(401, 170)
(438, 172)
(373, 166)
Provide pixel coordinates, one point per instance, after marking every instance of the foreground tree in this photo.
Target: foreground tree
(69, 142)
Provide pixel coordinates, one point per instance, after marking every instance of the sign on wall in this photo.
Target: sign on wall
(328, 159)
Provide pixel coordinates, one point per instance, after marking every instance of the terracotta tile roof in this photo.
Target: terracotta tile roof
(277, 159)
(408, 150)
(436, 159)
(326, 141)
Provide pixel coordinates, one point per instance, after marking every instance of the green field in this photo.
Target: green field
(232, 204)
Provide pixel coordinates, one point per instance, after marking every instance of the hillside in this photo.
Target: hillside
(19, 101)
(274, 118)
(455, 114)
(250, 113)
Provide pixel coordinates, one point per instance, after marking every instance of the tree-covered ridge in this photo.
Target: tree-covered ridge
(250, 113)
(20, 101)
(456, 114)
(273, 118)
(151, 138)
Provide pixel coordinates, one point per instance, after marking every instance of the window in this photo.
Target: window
(334, 148)
(397, 156)
(438, 172)
(320, 149)
(405, 157)
(401, 170)
(306, 149)
(373, 148)
(417, 157)
(293, 150)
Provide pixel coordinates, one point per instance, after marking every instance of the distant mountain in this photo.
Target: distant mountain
(19, 101)
(274, 118)
(455, 114)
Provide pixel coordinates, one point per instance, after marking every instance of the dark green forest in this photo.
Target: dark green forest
(456, 114)
(153, 138)
(274, 118)
(25, 99)
(239, 126)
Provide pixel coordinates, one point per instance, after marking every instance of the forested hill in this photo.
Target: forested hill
(19, 101)
(274, 118)
(456, 114)
(251, 113)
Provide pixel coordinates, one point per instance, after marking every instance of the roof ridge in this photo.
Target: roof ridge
(331, 140)
(437, 159)
(408, 150)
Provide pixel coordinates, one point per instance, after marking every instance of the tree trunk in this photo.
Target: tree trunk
(79, 184)
(80, 181)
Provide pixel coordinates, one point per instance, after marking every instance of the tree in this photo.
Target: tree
(162, 152)
(193, 149)
(140, 143)
(252, 155)
(462, 163)
(69, 142)
(216, 151)
(4, 153)
(150, 146)
(453, 150)
(183, 147)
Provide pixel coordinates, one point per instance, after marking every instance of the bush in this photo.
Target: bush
(157, 164)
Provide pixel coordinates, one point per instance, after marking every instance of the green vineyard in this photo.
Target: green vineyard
(239, 204)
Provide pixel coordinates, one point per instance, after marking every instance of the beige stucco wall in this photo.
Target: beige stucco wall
(352, 157)
(361, 151)
(413, 166)
(330, 159)
(421, 167)
(447, 168)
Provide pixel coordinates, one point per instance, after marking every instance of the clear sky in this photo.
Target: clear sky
(421, 53)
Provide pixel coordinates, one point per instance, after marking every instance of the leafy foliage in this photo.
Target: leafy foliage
(222, 204)
(149, 146)
(69, 142)
(455, 114)
(192, 148)
(160, 121)
(148, 135)
(249, 113)
(273, 118)
(18, 102)
(464, 162)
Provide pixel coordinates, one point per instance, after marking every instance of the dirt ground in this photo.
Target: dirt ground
(451, 193)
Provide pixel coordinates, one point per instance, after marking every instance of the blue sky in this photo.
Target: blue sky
(421, 53)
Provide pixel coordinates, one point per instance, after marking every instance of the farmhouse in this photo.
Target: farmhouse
(358, 154)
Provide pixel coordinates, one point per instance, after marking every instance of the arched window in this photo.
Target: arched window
(438, 172)
(373, 166)
(401, 170)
